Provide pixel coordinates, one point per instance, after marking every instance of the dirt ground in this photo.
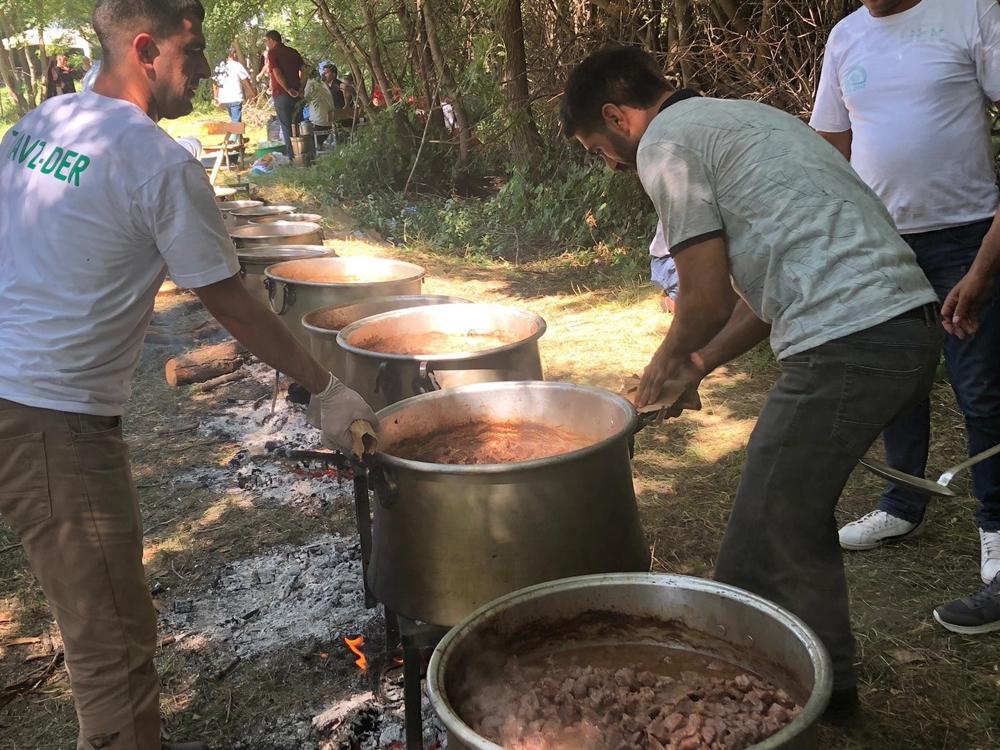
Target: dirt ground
(921, 686)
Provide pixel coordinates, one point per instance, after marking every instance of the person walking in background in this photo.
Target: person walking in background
(903, 96)
(319, 99)
(60, 78)
(90, 76)
(663, 269)
(231, 86)
(285, 65)
(349, 90)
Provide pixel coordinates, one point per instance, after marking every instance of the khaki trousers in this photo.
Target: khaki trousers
(66, 489)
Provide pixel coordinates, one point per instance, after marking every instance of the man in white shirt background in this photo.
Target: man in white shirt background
(97, 204)
(904, 94)
(231, 86)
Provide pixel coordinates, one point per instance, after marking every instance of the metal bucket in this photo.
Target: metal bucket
(382, 378)
(277, 233)
(253, 261)
(448, 538)
(314, 218)
(301, 286)
(721, 620)
(324, 324)
(246, 215)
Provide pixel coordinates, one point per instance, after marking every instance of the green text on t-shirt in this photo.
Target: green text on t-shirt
(61, 162)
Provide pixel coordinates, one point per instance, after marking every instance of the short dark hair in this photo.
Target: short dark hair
(626, 76)
(112, 17)
(274, 36)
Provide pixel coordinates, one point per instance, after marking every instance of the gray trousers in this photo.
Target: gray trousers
(826, 409)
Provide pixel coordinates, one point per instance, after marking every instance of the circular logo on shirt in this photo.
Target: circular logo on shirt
(855, 79)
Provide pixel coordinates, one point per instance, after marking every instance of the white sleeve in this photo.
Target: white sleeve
(241, 72)
(829, 113)
(177, 205)
(986, 49)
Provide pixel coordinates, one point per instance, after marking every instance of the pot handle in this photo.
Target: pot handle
(387, 382)
(287, 295)
(425, 381)
(386, 489)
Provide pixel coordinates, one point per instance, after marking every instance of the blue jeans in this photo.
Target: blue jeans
(235, 111)
(284, 106)
(974, 371)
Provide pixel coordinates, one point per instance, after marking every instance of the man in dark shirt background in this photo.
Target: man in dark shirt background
(285, 64)
(333, 82)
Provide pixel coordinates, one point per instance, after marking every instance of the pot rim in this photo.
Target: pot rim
(322, 331)
(540, 328)
(425, 467)
(229, 207)
(819, 697)
(265, 254)
(267, 209)
(419, 273)
(263, 221)
(300, 228)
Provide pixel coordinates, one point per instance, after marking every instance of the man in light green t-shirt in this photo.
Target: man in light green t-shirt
(774, 236)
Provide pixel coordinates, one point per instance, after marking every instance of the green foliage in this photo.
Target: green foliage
(582, 210)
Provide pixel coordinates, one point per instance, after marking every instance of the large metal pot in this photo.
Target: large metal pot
(715, 619)
(278, 233)
(324, 324)
(448, 538)
(253, 261)
(383, 378)
(301, 286)
(314, 218)
(245, 215)
(227, 208)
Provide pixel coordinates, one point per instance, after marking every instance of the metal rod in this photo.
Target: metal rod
(362, 509)
(412, 699)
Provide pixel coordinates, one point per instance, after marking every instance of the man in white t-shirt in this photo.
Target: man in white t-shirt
(774, 236)
(903, 95)
(98, 203)
(231, 86)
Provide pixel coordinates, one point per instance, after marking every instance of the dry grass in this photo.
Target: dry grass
(923, 688)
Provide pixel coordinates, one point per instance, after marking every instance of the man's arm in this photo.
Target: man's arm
(248, 92)
(704, 307)
(840, 141)
(960, 311)
(261, 332)
(742, 332)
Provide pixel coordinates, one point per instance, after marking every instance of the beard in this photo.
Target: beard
(625, 151)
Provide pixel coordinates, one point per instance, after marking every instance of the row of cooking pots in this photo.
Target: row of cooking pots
(451, 538)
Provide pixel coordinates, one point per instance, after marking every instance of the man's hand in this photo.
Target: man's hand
(294, 93)
(663, 367)
(339, 408)
(960, 312)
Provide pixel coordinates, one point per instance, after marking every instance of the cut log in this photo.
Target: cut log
(205, 363)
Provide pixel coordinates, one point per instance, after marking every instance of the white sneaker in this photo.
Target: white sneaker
(878, 528)
(989, 555)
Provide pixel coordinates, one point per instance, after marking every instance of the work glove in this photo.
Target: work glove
(339, 409)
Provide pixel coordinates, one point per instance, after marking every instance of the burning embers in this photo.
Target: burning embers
(355, 644)
(573, 702)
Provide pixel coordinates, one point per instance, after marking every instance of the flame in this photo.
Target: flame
(355, 645)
